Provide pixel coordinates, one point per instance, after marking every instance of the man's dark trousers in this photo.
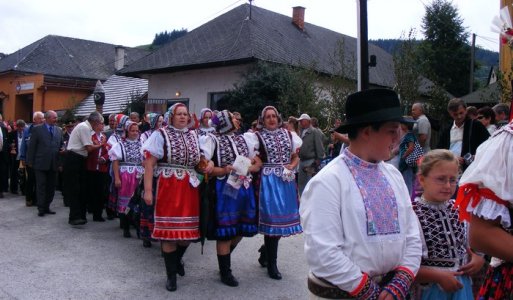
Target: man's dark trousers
(45, 188)
(75, 185)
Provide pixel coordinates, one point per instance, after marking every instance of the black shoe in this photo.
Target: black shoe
(50, 212)
(98, 219)
(171, 283)
(77, 222)
(28, 203)
(229, 280)
(146, 244)
(273, 272)
(41, 214)
(126, 233)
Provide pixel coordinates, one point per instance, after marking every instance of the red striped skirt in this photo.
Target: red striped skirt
(177, 208)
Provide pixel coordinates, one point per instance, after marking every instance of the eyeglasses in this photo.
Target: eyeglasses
(444, 181)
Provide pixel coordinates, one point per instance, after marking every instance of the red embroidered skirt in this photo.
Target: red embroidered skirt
(498, 283)
(177, 208)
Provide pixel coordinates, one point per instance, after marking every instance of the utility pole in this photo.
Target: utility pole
(472, 57)
(363, 47)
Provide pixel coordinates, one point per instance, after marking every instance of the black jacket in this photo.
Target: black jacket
(471, 138)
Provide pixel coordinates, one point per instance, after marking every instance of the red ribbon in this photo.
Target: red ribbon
(470, 193)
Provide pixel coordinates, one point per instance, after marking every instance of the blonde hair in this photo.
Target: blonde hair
(433, 157)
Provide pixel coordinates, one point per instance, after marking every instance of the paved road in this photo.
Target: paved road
(45, 258)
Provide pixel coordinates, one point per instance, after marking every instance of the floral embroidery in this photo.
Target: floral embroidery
(378, 196)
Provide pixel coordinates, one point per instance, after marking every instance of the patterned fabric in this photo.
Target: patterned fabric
(498, 284)
(203, 131)
(276, 149)
(131, 172)
(147, 216)
(181, 147)
(444, 235)
(131, 151)
(223, 122)
(226, 145)
(399, 286)
(369, 290)
(378, 196)
(153, 119)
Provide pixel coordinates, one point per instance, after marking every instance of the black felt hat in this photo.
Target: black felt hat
(371, 106)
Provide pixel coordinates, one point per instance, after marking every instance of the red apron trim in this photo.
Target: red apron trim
(470, 193)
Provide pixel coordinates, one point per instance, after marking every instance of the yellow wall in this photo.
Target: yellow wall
(18, 105)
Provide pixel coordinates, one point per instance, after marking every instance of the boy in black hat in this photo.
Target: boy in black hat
(361, 235)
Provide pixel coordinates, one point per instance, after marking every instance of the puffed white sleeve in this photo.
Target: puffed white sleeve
(154, 145)
(112, 140)
(253, 143)
(207, 146)
(115, 153)
(296, 142)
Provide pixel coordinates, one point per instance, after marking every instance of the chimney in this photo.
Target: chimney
(298, 17)
(119, 59)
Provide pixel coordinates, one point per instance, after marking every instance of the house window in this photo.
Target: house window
(170, 102)
(162, 105)
(214, 99)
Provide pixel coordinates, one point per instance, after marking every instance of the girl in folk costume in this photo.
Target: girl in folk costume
(176, 150)
(115, 138)
(278, 203)
(485, 199)
(127, 167)
(205, 127)
(234, 205)
(448, 261)
(146, 217)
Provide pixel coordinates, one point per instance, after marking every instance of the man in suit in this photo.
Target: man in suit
(311, 152)
(30, 184)
(15, 139)
(42, 156)
(465, 134)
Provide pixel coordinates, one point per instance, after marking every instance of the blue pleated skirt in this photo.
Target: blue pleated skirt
(234, 216)
(279, 207)
(434, 292)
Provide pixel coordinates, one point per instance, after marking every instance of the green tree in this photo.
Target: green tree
(166, 37)
(135, 103)
(445, 54)
(407, 73)
(289, 89)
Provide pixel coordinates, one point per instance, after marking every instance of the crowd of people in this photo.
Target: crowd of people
(377, 204)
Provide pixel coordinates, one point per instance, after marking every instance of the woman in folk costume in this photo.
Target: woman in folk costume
(485, 199)
(146, 217)
(126, 157)
(278, 198)
(176, 150)
(155, 121)
(115, 138)
(234, 206)
(204, 126)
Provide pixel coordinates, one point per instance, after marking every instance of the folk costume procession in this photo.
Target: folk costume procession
(370, 232)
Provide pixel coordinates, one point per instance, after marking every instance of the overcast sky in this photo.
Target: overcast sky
(134, 22)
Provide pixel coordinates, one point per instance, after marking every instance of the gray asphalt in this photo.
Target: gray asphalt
(45, 258)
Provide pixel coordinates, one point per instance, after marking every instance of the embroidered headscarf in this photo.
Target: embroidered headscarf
(204, 111)
(121, 120)
(222, 121)
(262, 115)
(153, 119)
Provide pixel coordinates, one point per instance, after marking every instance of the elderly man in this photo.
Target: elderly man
(30, 185)
(421, 129)
(42, 155)
(501, 114)
(79, 145)
(311, 152)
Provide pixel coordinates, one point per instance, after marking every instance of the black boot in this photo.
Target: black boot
(226, 273)
(263, 256)
(170, 261)
(125, 225)
(180, 266)
(271, 245)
